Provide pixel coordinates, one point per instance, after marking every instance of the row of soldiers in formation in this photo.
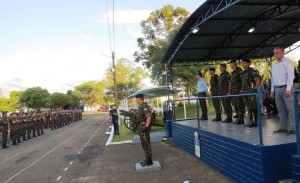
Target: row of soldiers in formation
(238, 82)
(28, 125)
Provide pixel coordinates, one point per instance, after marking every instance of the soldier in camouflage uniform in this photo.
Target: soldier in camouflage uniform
(225, 89)
(214, 79)
(28, 127)
(13, 128)
(33, 124)
(236, 86)
(250, 82)
(24, 126)
(4, 130)
(19, 127)
(143, 116)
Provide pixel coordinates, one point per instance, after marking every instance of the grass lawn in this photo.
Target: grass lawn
(126, 134)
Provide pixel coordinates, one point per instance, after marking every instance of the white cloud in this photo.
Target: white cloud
(84, 36)
(133, 33)
(126, 17)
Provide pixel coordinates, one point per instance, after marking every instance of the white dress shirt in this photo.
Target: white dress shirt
(283, 74)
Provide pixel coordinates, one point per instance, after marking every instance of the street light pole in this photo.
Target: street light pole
(115, 80)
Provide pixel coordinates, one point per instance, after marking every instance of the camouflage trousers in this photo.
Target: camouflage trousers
(238, 104)
(250, 102)
(217, 106)
(4, 133)
(226, 103)
(145, 142)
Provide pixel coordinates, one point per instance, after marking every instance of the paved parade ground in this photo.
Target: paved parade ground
(77, 153)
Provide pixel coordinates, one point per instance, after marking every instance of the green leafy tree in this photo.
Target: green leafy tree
(76, 98)
(92, 93)
(15, 96)
(35, 98)
(129, 78)
(60, 100)
(155, 29)
(7, 105)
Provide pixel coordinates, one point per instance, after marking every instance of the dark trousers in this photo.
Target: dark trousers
(203, 104)
(116, 126)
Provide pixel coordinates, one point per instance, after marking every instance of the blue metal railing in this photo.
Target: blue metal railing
(230, 96)
(297, 120)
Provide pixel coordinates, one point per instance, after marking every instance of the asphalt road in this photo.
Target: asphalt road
(77, 154)
(49, 157)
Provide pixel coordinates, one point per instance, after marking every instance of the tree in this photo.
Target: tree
(60, 100)
(76, 98)
(129, 78)
(7, 105)
(92, 92)
(35, 98)
(155, 29)
(15, 96)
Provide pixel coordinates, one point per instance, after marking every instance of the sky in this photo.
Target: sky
(58, 44)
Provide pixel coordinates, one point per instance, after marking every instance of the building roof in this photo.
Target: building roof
(223, 31)
(154, 92)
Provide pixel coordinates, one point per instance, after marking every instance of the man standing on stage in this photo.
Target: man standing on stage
(282, 82)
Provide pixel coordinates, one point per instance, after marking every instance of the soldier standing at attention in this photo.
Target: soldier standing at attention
(13, 128)
(214, 79)
(4, 130)
(250, 83)
(225, 89)
(144, 118)
(236, 85)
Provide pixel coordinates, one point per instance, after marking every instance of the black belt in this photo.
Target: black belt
(279, 86)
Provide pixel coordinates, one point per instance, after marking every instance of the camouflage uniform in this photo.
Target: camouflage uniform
(238, 102)
(224, 80)
(28, 128)
(249, 78)
(141, 115)
(4, 130)
(214, 90)
(13, 128)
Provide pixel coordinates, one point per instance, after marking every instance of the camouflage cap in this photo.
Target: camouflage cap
(212, 69)
(246, 60)
(232, 61)
(223, 65)
(139, 96)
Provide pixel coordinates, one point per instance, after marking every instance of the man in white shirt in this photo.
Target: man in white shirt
(281, 89)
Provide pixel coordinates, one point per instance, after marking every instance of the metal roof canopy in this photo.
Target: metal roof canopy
(154, 92)
(223, 31)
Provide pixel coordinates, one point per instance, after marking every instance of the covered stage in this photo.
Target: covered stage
(217, 32)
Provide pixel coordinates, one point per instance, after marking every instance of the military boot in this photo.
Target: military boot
(4, 146)
(142, 162)
(228, 120)
(28, 136)
(14, 142)
(33, 135)
(148, 162)
(241, 120)
(254, 122)
(24, 138)
(19, 140)
(250, 119)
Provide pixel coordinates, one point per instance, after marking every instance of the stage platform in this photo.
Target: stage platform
(235, 150)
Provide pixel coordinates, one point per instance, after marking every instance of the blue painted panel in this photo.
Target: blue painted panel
(277, 162)
(296, 168)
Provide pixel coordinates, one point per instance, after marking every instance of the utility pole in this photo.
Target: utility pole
(115, 80)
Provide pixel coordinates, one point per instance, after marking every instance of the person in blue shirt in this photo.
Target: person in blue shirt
(202, 92)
